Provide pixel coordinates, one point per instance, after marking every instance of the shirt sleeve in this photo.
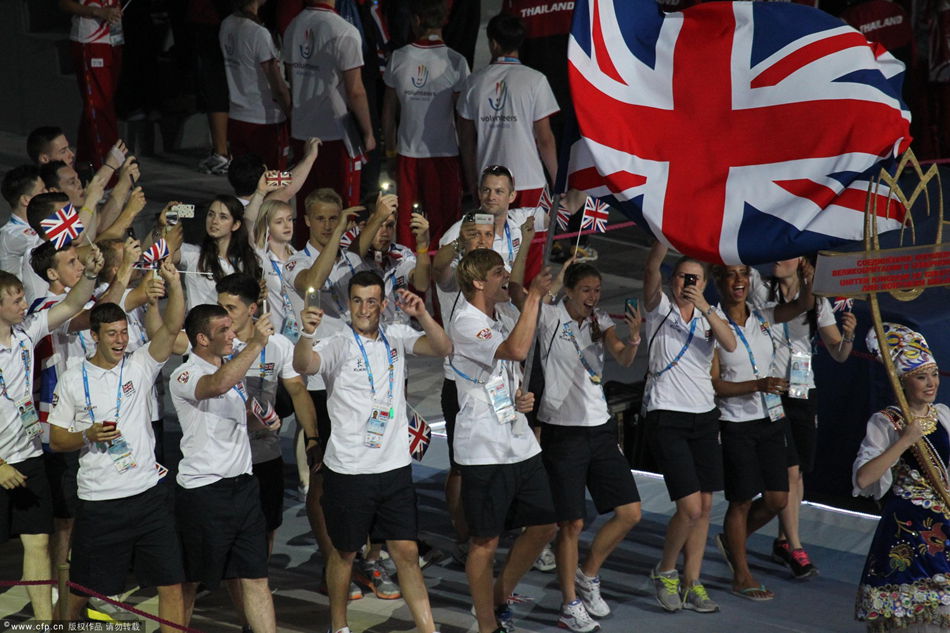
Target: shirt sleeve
(475, 339)
(544, 104)
(462, 73)
(189, 257)
(388, 77)
(37, 326)
(143, 357)
(826, 315)
(878, 437)
(332, 353)
(263, 48)
(463, 106)
(64, 408)
(349, 52)
(451, 233)
(604, 321)
(184, 381)
(286, 358)
(404, 336)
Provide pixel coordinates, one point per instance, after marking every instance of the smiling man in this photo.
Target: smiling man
(101, 408)
(367, 480)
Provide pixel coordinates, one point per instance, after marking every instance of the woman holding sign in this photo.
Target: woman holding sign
(903, 586)
(753, 421)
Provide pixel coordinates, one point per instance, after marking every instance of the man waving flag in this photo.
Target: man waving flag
(733, 131)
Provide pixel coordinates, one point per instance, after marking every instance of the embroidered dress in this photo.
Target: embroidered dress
(906, 580)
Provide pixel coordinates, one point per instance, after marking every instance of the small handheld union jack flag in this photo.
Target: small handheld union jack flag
(63, 226)
(563, 216)
(156, 252)
(420, 434)
(544, 202)
(264, 412)
(842, 304)
(347, 238)
(595, 215)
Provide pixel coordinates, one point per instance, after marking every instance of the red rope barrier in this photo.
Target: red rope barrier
(90, 592)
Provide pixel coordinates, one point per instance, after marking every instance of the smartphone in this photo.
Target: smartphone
(183, 210)
(631, 305)
(417, 208)
(690, 279)
(263, 306)
(312, 299)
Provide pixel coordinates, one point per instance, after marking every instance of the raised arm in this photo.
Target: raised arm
(840, 342)
(306, 360)
(652, 277)
(804, 301)
(516, 289)
(80, 293)
(419, 277)
(233, 371)
(385, 207)
(299, 173)
(435, 342)
(130, 211)
(316, 275)
(163, 342)
(624, 351)
(519, 342)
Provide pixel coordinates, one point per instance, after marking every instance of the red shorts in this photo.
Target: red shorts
(530, 198)
(435, 184)
(267, 140)
(334, 169)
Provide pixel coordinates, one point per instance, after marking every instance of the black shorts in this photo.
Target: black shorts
(319, 398)
(686, 448)
(27, 509)
(111, 537)
(450, 411)
(222, 531)
(270, 480)
(61, 472)
(380, 506)
(579, 456)
(499, 497)
(802, 431)
(211, 80)
(754, 458)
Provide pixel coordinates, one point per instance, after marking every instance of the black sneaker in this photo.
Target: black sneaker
(796, 560)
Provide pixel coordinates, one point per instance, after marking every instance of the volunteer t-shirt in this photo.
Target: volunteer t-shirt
(246, 45)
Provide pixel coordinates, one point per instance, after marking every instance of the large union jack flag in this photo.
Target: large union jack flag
(733, 131)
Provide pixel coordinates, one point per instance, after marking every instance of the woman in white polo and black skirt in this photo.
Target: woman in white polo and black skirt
(754, 425)
(682, 422)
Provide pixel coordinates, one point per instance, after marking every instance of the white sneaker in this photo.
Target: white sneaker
(574, 617)
(588, 588)
(215, 164)
(546, 560)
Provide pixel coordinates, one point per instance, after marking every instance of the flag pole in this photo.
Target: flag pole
(548, 243)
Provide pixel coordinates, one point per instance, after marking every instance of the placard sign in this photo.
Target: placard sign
(856, 274)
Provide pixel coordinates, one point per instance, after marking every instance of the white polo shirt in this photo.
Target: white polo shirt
(687, 386)
(138, 337)
(425, 75)
(479, 438)
(319, 46)
(15, 446)
(245, 45)
(17, 240)
(395, 267)
(199, 289)
(121, 395)
(509, 242)
(736, 366)
(275, 362)
(350, 398)
(791, 336)
(570, 398)
(504, 100)
(214, 443)
(451, 300)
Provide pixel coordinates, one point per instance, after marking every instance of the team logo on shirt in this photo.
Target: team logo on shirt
(500, 100)
(182, 377)
(484, 334)
(290, 265)
(128, 389)
(516, 242)
(29, 231)
(421, 77)
(306, 48)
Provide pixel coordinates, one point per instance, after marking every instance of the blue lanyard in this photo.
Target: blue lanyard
(748, 348)
(15, 220)
(283, 292)
(676, 359)
(463, 375)
(118, 392)
(506, 60)
(594, 376)
(25, 357)
(511, 248)
(369, 368)
(82, 343)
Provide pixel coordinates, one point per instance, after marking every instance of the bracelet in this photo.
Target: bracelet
(708, 311)
(848, 339)
(457, 245)
(109, 166)
(307, 334)
(85, 438)
(93, 278)
(635, 342)
(422, 251)
(311, 438)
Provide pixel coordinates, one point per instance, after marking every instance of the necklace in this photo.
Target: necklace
(927, 422)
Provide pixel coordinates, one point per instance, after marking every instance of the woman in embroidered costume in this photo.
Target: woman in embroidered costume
(904, 584)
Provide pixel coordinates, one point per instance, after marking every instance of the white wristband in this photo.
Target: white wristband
(307, 334)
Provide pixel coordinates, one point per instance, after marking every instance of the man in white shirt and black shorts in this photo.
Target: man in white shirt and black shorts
(101, 408)
(228, 537)
(367, 479)
(504, 484)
